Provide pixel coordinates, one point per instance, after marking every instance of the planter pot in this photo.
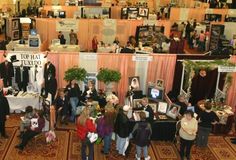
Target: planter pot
(109, 87)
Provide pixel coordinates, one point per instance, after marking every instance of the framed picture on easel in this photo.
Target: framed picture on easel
(15, 35)
(160, 83)
(15, 24)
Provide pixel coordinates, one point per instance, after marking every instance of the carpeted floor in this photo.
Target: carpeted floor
(220, 148)
(14, 120)
(39, 150)
(5, 143)
(67, 147)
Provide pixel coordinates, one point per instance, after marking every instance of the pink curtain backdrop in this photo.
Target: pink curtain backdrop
(231, 95)
(162, 67)
(122, 63)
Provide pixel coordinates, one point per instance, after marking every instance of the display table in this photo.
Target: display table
(19, 103)
(64, 48)
(225, 115)
(162, 130)
(107, 49)
(25, 47)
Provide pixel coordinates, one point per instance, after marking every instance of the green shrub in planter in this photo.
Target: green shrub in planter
(108, 75)
(76, 73)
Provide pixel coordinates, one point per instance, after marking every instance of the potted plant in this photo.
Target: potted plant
(76, 73)
(108, 76)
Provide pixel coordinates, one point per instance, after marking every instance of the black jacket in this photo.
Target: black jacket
(122, 125)
(7, 72)
(150, 119)
(93, 95)
(25, 76)
(142, 133)
(73, 92)
(4, 108)
(49, 71)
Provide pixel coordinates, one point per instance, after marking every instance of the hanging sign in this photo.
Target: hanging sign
(227, 69)
(66, 25)
(26, 59)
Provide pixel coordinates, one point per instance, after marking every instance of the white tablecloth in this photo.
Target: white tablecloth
(20, 103)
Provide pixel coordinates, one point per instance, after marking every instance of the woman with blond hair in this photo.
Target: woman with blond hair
(84, 126)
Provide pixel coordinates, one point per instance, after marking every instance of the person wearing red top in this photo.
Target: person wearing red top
(202, 37)
(85, 125)
(95, 44)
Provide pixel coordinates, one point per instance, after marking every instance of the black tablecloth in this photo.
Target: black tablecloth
(162, 130)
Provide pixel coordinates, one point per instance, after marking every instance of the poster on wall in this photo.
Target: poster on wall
(66, 25)
(27, 59)
(91, 76)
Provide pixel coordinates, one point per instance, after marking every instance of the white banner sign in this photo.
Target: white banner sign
(28, 59)
(142, 58)
(149, 22)
(67, 25)
(227, 69)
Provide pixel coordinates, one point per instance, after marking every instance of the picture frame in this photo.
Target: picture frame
(173, 111)
(15, 35)
(137, 103)
(162, 107)
(153, 106)
(134, 82)
(25, 27)
(25, 35)
(90, 76)
(160, 83)
(143, 12)
(15, 24)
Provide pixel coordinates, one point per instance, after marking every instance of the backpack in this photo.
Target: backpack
(141, 135)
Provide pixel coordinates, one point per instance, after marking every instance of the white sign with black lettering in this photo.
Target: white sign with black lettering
(227, 69)
(27, 59)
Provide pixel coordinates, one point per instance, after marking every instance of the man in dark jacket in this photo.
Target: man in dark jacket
(122, 129)
(148, 109)
(4, 111)
(6, 72)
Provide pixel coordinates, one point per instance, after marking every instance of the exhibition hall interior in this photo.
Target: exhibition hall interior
(118, 79)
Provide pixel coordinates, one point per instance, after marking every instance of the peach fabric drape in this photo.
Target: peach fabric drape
(231, 95)
(62, 62)
(162, 67)
(121, 62)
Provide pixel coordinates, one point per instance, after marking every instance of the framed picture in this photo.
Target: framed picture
(134, 83)
(91, 76)
(15, 24)
(15, 35)
(153, 106)
(137, 103)
(143, 12)
(162, 107)
(25, 35)
(160, 83)
(173, 111)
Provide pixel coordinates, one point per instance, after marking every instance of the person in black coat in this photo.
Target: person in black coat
(4, 111)
(61, 38)
(6, 72)
(74, 95)
(61, 104)
(148, 108)
(121, 128)
(49, 79)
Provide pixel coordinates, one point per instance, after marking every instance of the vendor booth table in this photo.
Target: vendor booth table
(19, 103)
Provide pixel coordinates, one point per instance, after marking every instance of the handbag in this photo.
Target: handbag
(91, 137)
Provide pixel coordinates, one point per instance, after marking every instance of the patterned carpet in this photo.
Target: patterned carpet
(14, 120)
(40, 150)
(165, 150)
(233, 146)
(220, 148)
(4, 143)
